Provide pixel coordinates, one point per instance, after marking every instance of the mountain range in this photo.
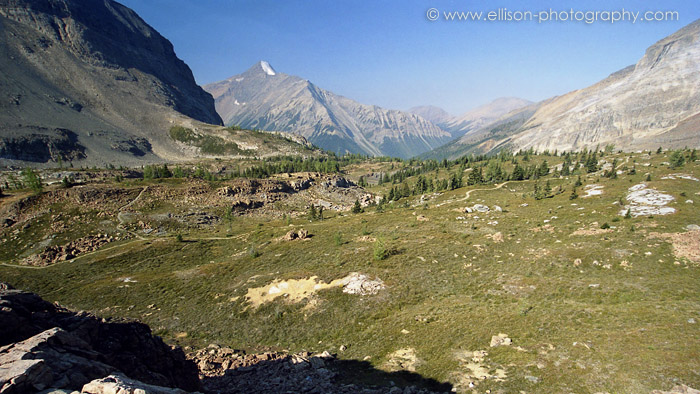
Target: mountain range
(262, 98)
(89, 81)
(655, 102)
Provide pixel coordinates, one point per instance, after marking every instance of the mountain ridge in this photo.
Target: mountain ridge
(283, 102)
(653, 103)
(91, 82)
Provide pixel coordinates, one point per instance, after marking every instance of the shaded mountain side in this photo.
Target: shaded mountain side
(96, 71)
(262, 98)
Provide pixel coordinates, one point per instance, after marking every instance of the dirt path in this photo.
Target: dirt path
(468, 194)
(134, 200)
(120, 225)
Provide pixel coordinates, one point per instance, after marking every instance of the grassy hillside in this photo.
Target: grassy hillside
(592, 300)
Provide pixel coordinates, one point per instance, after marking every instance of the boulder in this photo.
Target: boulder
(290, 236)
(679, 389)
(118, 383)
(480, 208)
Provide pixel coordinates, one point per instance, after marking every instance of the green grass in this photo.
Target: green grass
(448, 284)
(208, 144)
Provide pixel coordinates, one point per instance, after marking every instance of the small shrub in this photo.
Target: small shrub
(605, 226)
(573, 195)
(338, 238)
(380, 252)
(252, 252)
(313, 215)
(32, 180)
(677, 159)
(178, 238)
(357, 208)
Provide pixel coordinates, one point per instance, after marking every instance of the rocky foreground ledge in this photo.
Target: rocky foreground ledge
(45, 348)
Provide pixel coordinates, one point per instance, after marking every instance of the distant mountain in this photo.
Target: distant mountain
(485, 139)
(265, 99)
(483, 115)
(432, 113)
(89, 81)
(653, 103)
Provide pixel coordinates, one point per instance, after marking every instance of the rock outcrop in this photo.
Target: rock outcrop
(43, 346)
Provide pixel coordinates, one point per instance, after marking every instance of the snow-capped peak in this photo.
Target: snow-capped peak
(267, 68)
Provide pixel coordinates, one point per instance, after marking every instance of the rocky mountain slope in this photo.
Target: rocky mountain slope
(481, 116)
(265, 99)
(90, 82)
(653, 103)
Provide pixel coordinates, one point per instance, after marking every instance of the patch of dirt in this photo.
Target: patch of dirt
(592, 231)
(473, 369)
(496, 238)
(685, 245)
(366, 238)
(500, 340)
(403, 360)
(547, 227)
(295, 290)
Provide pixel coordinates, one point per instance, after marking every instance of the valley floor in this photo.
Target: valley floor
(482, 287)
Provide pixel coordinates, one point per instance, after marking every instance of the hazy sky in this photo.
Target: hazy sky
(390, 54)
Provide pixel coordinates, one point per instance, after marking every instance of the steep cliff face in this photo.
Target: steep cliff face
(650, 104)
(265, 99)
(94, 69)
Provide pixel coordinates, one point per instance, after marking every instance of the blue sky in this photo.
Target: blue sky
(390, 54)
